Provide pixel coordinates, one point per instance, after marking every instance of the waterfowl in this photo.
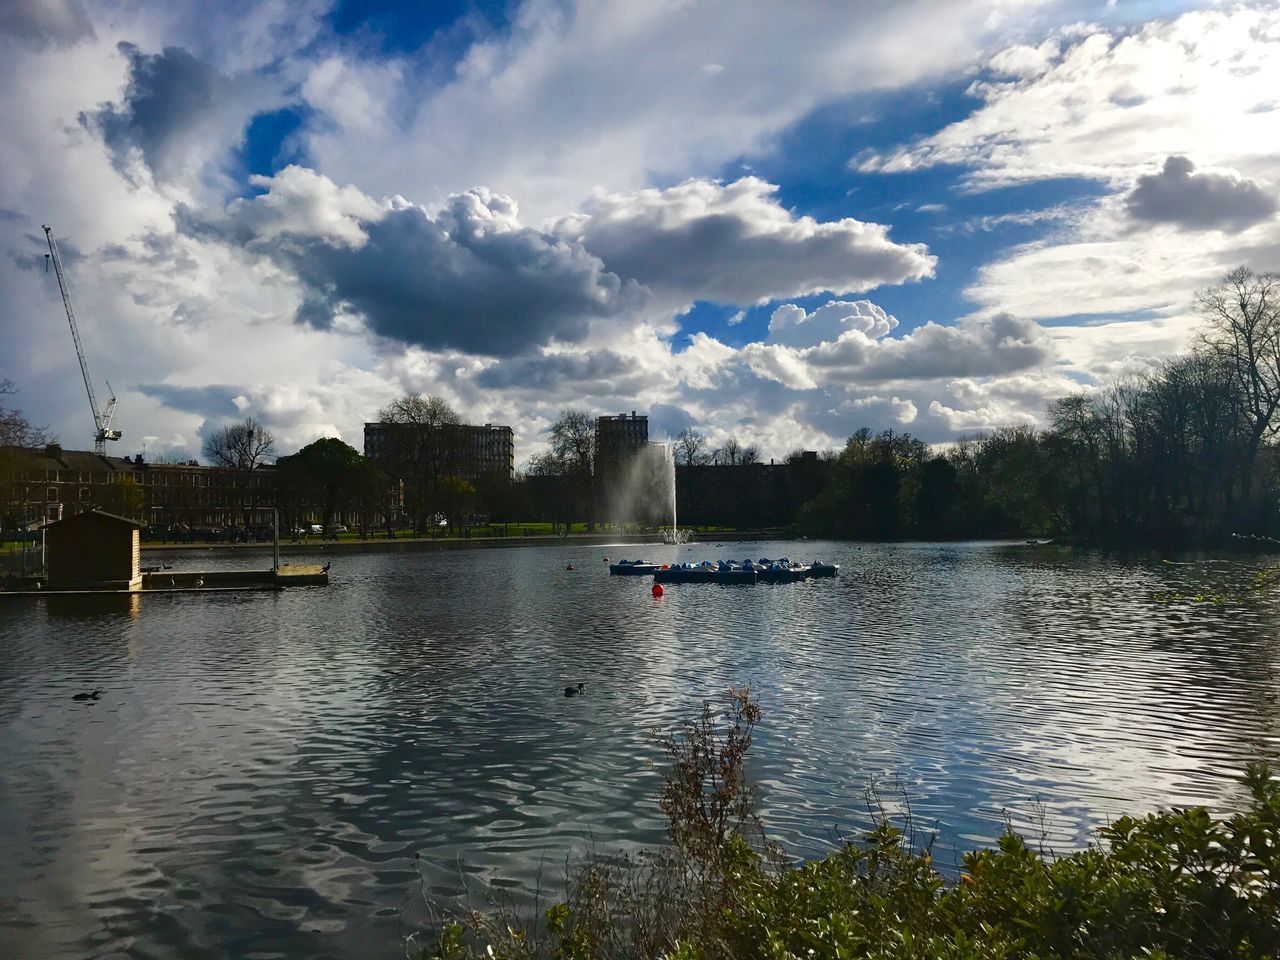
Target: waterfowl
(88, 696)
(574, 691)
(569, 567)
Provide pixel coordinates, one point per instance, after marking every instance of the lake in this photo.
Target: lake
(287, 774)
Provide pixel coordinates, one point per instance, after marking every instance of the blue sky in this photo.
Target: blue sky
(779, 225)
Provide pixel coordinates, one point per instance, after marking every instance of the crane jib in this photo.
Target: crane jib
(101, 420)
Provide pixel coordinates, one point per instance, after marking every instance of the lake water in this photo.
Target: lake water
(263, 768)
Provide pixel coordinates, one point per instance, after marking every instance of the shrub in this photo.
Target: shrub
(1176, 884)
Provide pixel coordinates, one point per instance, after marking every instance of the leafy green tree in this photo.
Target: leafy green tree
(326, 474)
(936, 498)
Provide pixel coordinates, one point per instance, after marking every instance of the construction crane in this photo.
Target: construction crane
(101, 418)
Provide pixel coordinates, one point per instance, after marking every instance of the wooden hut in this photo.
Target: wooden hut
(94, 551)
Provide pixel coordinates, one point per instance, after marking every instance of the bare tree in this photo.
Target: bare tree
(573, 440)
(690, 448)
(15, 429)
(749, 455)
(730, 454)
(1242, 328)
(569, 464)
(424, 449)
(242, 447)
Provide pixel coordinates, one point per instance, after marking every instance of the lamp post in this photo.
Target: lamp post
(248, 479)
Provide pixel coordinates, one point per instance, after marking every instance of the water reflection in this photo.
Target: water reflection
(263, 768)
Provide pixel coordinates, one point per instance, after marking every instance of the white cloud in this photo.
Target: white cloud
(1023, 61)
(734, 243)
(1111, 102)
(511, 314)
(792, 326)
(978, 346)
(301, 202)
(616, 94)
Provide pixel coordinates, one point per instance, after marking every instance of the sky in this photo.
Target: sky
(776, 222)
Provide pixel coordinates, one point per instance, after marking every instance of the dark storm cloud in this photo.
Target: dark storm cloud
(1198, 201)
(170, 95)
(215, 400)
(41, 22)
(469, 278)
(593, 374)
(667, 420)
(439, 284)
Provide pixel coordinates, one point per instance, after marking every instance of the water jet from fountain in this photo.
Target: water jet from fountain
(643, 490)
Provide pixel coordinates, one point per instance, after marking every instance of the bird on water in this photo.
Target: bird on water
(88, 696)
(574, 691)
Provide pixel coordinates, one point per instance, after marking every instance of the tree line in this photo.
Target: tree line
(1183, 454)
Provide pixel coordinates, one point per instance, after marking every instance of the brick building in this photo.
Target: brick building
(477, 454)
(50, 484)
(618, 439)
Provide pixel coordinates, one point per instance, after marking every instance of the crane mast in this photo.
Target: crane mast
(101, 418)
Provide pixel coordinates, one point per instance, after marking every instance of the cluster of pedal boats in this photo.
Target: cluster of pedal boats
(726, 571)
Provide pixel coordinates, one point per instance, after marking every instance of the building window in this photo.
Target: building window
(53, 495)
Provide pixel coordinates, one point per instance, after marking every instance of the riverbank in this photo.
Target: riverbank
(410, 544)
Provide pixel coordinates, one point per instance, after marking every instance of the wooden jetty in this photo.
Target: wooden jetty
(98, 552)
(187, 581)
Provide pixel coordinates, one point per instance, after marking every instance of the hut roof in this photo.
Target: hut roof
(97, 513)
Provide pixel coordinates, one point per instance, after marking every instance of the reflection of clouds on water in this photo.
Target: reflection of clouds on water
(265, 767)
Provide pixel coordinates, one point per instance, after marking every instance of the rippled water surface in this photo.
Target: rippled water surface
(262, 769)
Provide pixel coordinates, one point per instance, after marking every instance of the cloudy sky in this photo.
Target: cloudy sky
(780, 221)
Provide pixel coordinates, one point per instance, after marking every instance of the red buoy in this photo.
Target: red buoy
(657, 590)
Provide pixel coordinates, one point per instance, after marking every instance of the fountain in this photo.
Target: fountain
(675, 534)
(642, 488)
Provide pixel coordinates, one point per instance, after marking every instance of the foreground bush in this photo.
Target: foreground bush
(1168, 885)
